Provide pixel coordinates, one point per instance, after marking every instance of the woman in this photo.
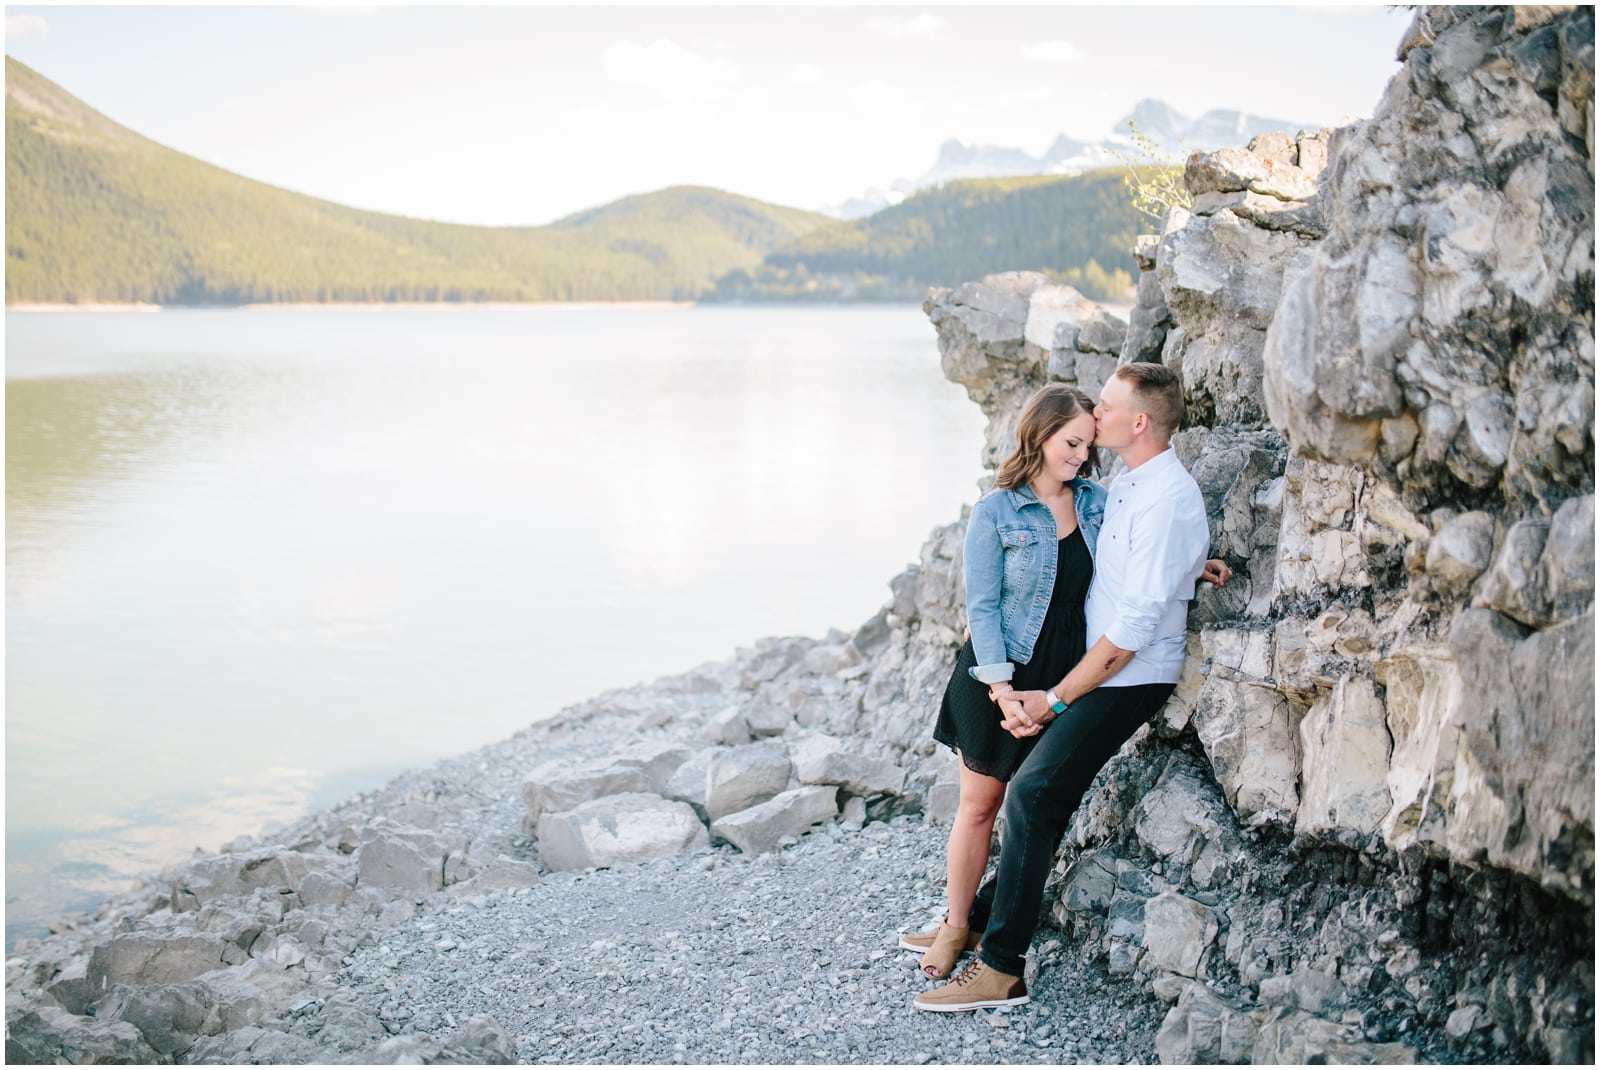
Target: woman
(1028, 561)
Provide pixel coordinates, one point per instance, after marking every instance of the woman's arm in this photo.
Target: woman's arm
(983, 567)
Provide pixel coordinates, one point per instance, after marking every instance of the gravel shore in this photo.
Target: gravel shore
(718, 957)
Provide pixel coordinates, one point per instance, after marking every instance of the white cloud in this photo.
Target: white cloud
(881, 98)
(806, 74)
(1052, 52)
(666, 67)
(22, 25)
(923, 25)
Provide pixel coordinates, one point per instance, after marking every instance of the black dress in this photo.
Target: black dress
(969, 722)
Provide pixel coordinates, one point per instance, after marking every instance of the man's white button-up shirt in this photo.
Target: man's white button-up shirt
(1153, 547)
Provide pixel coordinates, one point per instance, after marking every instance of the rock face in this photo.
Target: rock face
(1386, 339)
(1440, 343)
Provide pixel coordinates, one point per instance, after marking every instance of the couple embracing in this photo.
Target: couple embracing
(1077, 604)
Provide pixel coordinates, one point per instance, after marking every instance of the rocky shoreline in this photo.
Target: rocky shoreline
(421, 921)
(1362, 830)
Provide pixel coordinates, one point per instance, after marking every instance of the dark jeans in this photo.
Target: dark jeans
(1040, 802)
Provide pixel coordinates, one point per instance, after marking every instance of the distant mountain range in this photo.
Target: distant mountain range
(96, 213)
(1175, 133)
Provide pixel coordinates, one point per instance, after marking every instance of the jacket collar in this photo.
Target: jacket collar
(1023, 495)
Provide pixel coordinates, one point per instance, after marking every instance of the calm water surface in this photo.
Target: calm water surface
(259, 560)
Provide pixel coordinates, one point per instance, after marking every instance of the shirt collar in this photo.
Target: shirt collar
(1156, 467)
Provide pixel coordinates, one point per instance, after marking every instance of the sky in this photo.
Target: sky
(519, 115)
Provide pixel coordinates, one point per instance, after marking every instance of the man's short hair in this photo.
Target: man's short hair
(1158, 393)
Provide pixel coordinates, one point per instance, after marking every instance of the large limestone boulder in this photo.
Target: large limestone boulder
(169, 1017)
(157, 957)
(617, 829)
(740, 777)
(45, 1035)
(764, 828)
(688, 782)
(398, 864)
(824, 759)
(217, 876)
(327, 889)
(559, 786)
(727, 726)
(659, 760)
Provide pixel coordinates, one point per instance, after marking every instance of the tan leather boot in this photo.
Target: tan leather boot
(975, 987)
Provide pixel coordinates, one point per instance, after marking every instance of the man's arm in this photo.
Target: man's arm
(1103, 661)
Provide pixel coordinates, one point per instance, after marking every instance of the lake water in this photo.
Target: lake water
(257, 561)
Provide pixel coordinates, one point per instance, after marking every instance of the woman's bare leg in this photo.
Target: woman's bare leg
(970, 835)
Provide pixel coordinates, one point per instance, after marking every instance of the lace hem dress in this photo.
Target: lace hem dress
(968, 722)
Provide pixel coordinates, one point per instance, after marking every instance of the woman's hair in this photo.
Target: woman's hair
(1048, 408)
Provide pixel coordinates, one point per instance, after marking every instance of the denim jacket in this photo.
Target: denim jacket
(1010, 570)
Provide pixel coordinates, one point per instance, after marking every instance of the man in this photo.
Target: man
(1151, 551)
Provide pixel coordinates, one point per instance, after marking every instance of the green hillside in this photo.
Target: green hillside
(97, 213)
(1079, 229)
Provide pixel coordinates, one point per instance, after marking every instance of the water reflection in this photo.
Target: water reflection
(66, 437)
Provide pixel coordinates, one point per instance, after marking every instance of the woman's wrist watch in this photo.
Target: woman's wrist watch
(1057, 707)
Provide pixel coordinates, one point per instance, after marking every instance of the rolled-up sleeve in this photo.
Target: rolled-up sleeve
(983, 569)
(1161, 562)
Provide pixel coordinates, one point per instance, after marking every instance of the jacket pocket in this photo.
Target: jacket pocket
(1016, 537)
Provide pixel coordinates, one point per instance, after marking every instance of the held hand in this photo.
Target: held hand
(1011, 712)
(1012, 715)
(1015, 720)
(1031, 714)
(1216, 572)
(1036, 706)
